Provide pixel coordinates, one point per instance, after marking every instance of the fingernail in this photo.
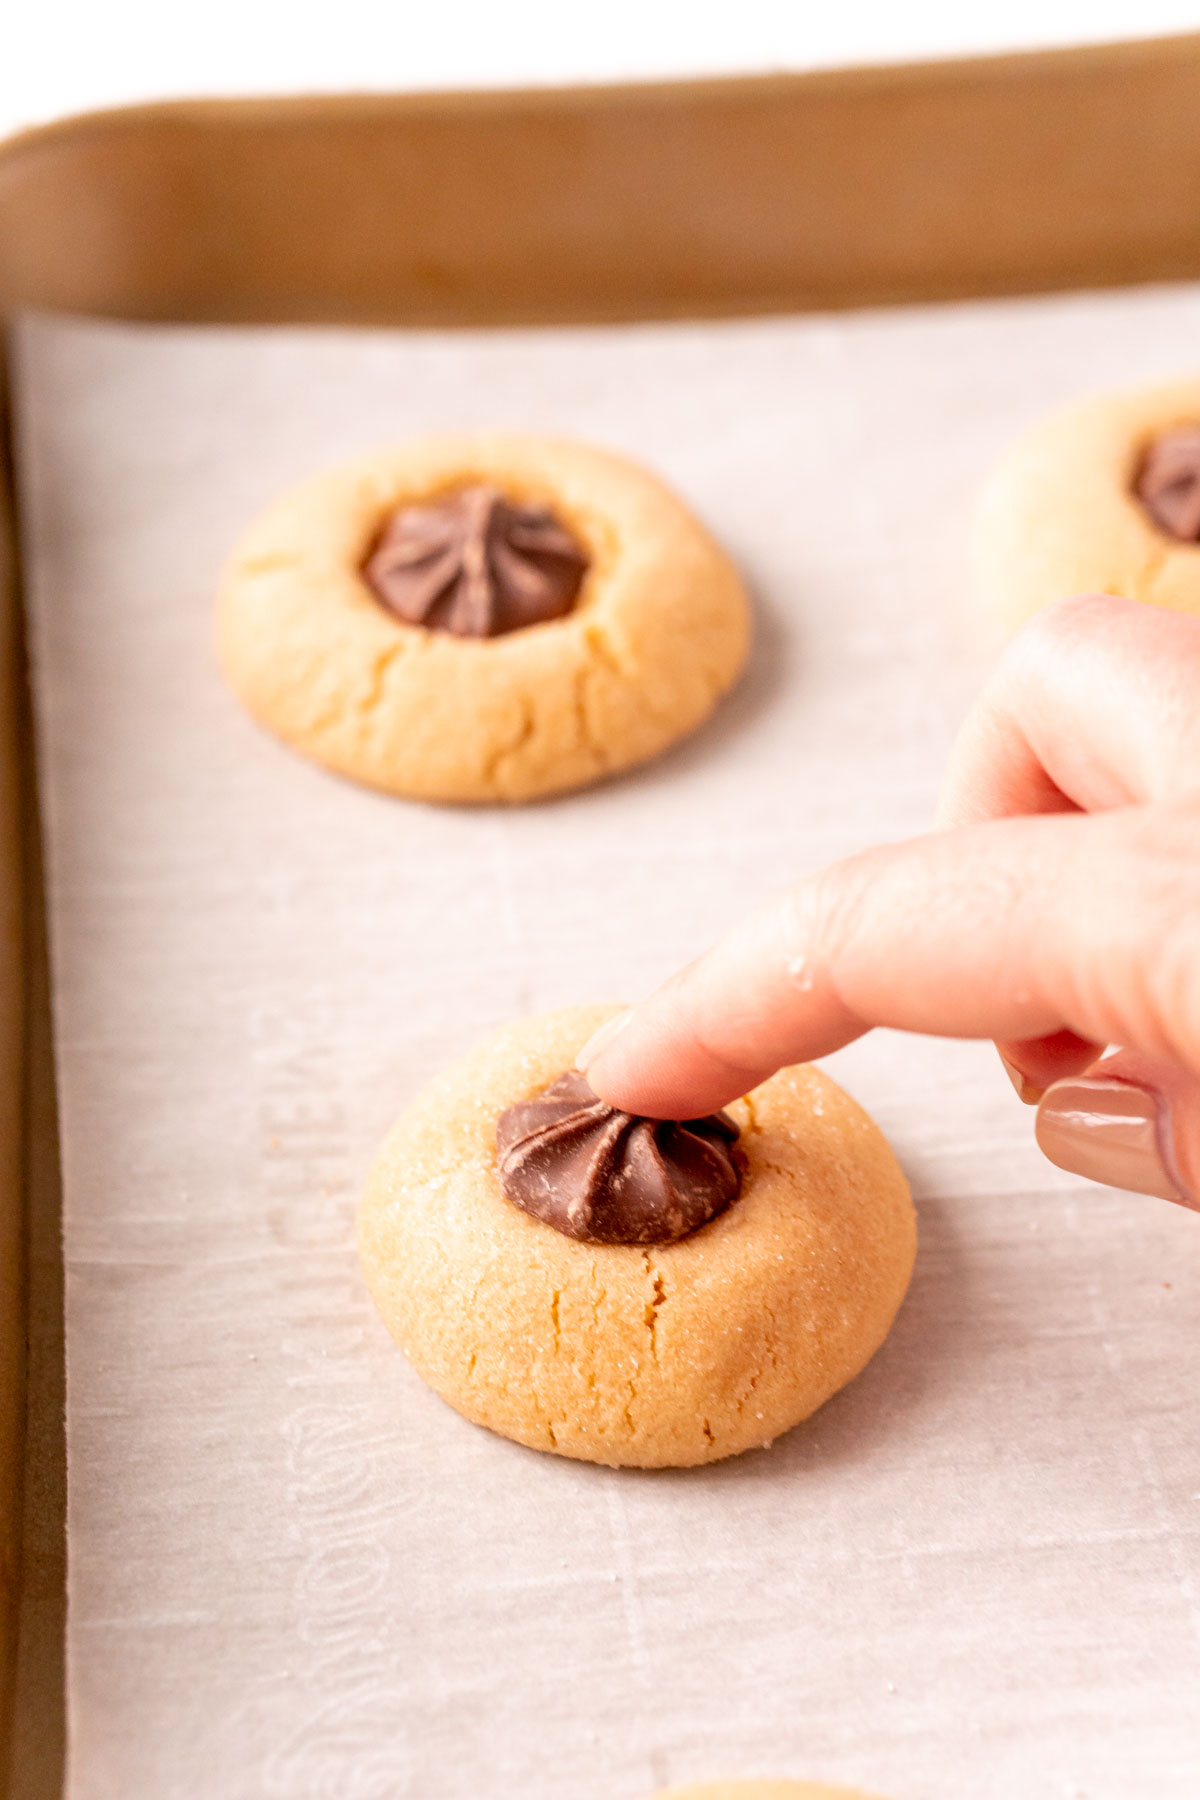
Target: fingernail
(1026, 1090)
(600, 1040)
(1112, 1132)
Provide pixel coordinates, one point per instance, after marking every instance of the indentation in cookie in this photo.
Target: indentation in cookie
(1168, 482)
(609, 1177)
(475, 564)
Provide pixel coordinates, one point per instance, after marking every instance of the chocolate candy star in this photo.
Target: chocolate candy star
(1168, 483)
(475, 564)
(610, 1177)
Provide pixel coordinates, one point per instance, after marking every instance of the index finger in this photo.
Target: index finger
(1010, 930)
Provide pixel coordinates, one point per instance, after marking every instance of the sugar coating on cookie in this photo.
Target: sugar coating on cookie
(1079, 505)
(318, 610)
(628, 1354)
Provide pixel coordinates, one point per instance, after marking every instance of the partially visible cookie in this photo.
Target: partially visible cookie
(480, 617)
(647, 1353)
(762, 1790)
(1097, 499)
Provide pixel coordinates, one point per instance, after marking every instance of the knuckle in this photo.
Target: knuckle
(840, 903)
(1057, 631)
(1173, 993)
(1034, 665)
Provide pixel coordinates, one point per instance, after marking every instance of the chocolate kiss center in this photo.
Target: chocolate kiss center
(475, 564)
(610, 1177)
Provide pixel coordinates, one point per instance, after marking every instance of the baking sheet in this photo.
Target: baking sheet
(293, 1571)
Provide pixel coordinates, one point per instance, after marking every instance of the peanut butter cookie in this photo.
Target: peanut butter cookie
(1103, 498)
(480, 617)
(632, 1291)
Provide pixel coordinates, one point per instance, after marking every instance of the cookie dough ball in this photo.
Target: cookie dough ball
(1061, 513)
(649, 1355)
(762, 1790)
(656, 632)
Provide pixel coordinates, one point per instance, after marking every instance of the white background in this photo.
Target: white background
(65, 56)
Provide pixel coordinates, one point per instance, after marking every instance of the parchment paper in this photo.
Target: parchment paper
(293, 1571)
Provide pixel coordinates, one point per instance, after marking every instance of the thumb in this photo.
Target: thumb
(1130, 1121)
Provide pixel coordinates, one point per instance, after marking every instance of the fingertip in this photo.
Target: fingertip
(624, 1069)
(600, 1038)
(634, 1085)
(614, 1077)
(646, 1065)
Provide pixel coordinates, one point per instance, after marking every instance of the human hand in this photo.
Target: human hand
(1057, 911)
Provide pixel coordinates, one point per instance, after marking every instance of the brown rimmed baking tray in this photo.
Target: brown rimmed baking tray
(1010, 175)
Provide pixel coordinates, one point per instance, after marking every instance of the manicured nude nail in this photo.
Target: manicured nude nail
(600, 1040)
(1112, 1132)
(1026, 1090)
